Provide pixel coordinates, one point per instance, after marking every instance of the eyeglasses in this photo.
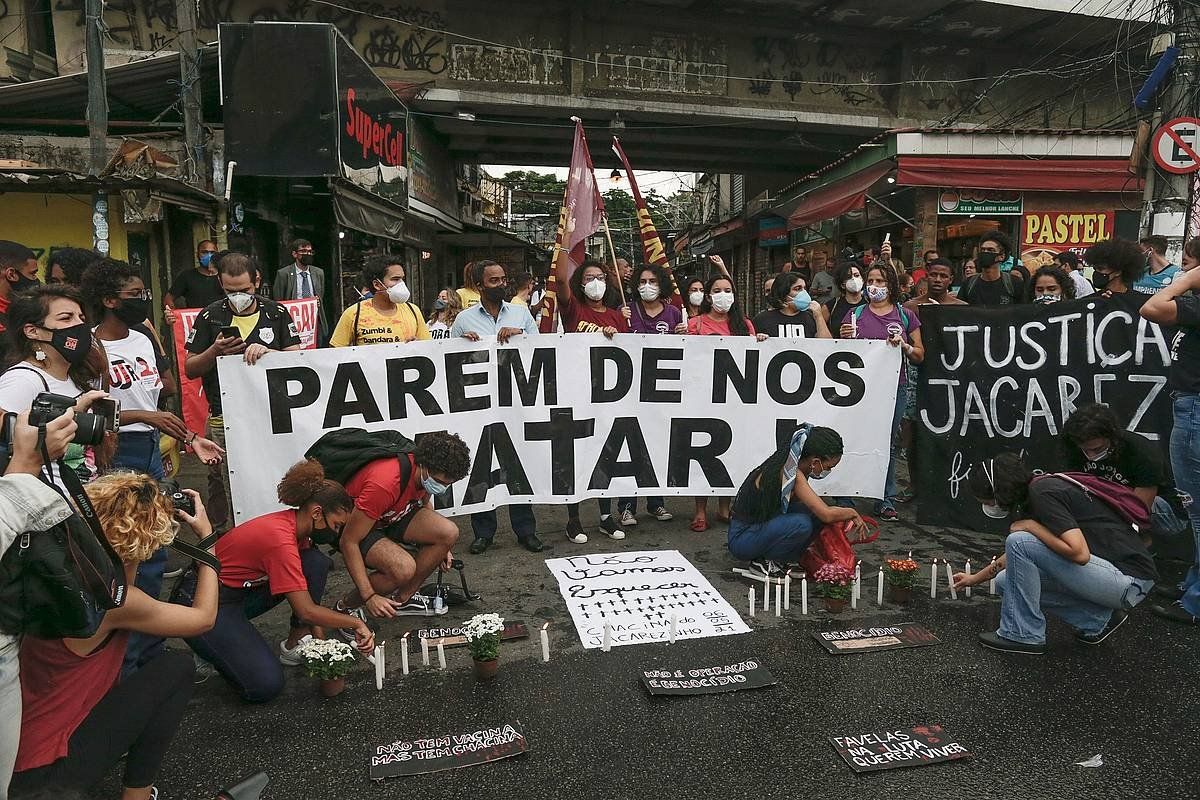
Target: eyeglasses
(136, 294)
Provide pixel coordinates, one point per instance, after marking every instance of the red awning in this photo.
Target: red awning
(1029, 174)
(838, 197)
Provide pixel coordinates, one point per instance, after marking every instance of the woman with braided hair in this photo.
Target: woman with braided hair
(777, 511)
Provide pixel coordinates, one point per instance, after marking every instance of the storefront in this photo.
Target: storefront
(944, 190)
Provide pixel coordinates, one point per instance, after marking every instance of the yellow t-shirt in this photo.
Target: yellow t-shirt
(403, 325)
(246, 324)
(468, 297)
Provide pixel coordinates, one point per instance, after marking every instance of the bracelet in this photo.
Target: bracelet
(365, 599)
(189, 441)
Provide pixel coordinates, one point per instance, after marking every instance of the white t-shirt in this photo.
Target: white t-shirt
(439, 330)
(1082, 287)
(133, 375)
(20, 384)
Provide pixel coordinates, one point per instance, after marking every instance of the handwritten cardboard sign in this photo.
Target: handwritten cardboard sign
(881, 637)
(467, 749)
(452, 637)
(903, 747)
(747, 674)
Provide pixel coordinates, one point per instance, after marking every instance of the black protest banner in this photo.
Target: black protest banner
(905, 747)
(1004, 379)
(887, 637)
(452, 637)
(748, 674)
(452, 751)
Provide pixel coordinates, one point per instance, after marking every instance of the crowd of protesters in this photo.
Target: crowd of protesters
(86, 334)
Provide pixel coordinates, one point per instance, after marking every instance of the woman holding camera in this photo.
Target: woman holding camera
(49, 335)
(265, 561)
(77, 721)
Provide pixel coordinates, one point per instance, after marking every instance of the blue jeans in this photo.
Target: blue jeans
(1165, 522)
(10, 708)
(483, 523)
(630, 504)
(138, 451)
(235, 647)
(889, 486)
(1081, 595)
(1185, 463)
(783, 538)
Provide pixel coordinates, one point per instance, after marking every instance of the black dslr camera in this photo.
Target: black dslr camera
(170, 490)
(48, 407)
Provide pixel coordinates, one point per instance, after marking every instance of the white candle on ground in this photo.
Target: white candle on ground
(933, 579)
(766, 595)
(968, 571)
(804, 596)
(674, 626)
(441, 655)
(858, 581)
(379, 666)
(853, 599)
(606, 642)
(950, 581)
(787, 591)
(778, 600)
(992, 582)
(424, 650)
(404, 653)
(545, 643)
(879, 588)
(752, 601)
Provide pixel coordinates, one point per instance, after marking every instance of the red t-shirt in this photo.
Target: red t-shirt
(581, 318)
(377, 491)
(703, 325)
(264, 547)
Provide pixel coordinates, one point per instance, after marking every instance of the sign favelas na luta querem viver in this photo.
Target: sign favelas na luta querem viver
(1049, 232)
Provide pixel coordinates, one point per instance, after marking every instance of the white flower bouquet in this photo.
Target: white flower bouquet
(483, 636)
(326, 658)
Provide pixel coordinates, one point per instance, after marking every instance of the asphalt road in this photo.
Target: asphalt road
(594, 732)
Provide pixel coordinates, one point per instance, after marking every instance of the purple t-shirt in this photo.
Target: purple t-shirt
(665, 322)
(874, 326)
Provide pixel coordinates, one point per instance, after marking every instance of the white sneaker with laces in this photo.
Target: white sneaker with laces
(662, 515)
(627, 518)
(291, 656)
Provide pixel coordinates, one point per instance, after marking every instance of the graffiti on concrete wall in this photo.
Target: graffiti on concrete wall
(808, 66)
(675, 64)
(494, 64)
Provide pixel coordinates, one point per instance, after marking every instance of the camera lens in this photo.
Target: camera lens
(91, 429)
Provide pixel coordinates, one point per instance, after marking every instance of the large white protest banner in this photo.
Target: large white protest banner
(556, 419)
(637, 594)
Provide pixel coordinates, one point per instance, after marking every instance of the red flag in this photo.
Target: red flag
(652, 246)
(581, 216)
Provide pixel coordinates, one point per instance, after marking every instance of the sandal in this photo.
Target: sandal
(699, 524)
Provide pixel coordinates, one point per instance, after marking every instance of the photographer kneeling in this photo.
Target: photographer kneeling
(26, 504)
(265, 561)
(1074, 555)
(78, 722)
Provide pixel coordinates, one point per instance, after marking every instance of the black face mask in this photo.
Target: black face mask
(74, 343)
(324, 536)
(306, 260)
(986, 259)
(1100, 280)
(22, 283)
(495, 294)
(132, 312)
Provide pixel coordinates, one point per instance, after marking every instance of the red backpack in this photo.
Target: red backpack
(1120, 499)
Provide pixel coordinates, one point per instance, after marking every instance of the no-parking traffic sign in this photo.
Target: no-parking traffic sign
(1176, 145)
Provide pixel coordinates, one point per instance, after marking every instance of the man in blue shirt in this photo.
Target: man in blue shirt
(496, 317)
(1159, 272)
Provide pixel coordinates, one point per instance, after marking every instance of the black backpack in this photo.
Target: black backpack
(1006, 280)
(342, 453)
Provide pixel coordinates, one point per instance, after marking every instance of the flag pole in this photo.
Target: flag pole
(613, 262)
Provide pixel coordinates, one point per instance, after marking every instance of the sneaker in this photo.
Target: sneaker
(994, 641)
(290, 656)
(204, 670)
(532, 543)
(1115, 621)
(905, 496)
(1176, 613)
(609, 526)
(420, 605)
(888, 514)
(1172, 593)
(627, 518)
(662, 515)
(480, 545)
(347, 634)
(768, 568)
(575, 532)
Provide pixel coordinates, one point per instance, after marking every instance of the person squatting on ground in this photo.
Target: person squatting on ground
(78, 720)
(265, 561)
(777, 512)
(390, 497)
(1068, 553)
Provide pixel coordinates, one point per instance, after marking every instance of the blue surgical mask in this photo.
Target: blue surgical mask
(434, 487)
(802, 300)
(206, 259)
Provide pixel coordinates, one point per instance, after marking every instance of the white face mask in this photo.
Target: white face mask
(595, 288)
(648, 292)
(240, 302)
(995, 512)
(722, 301)
(877, 294)
(398, 292)
(695, 298)
(854, 285)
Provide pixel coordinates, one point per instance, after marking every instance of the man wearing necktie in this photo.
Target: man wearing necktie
(300, 280)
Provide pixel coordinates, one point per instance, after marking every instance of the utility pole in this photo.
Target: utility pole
(189, 86)
(1173, 196)
(97, 118)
